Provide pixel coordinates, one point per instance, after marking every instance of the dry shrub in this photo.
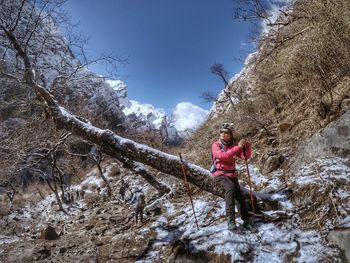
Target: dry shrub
(85, 186)
(4, 205)
(30, 196)
(103, 184)
(91, 198)
(114, 170)
(93, 186)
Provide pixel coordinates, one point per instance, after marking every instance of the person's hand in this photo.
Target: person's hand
(242, 143)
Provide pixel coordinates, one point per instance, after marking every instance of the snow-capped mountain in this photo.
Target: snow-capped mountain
(144, 117)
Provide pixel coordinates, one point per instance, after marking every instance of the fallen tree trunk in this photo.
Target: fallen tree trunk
(142, 171)
(109, 142)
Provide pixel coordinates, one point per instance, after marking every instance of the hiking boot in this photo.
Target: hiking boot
(249, 225)
(231, 223)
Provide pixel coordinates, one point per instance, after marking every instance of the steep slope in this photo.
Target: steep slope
(296, 83)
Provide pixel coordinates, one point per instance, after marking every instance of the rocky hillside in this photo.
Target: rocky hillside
(294, 85)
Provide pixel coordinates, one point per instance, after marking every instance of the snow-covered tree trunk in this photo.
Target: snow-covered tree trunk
(143, 171)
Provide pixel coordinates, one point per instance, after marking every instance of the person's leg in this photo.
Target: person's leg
(136, 217)
(243, 208)
(141, 214)
(226, 183)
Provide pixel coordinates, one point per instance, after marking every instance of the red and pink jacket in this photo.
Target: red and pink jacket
(224, 158)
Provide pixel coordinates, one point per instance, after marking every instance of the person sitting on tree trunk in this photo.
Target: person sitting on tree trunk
(224, 152)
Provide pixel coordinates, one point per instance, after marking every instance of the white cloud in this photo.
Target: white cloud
(188, 116)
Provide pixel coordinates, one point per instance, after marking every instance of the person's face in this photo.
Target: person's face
(225, 135)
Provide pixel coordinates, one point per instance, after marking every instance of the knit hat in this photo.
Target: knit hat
(229, 126)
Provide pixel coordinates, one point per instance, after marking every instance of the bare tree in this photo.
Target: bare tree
(44, 163)
(208, 96)
(219, 70)
(97, 157)
(10, 190)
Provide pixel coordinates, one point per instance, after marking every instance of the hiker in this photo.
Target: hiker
(122, 189)
(139, 199)
(224, 152)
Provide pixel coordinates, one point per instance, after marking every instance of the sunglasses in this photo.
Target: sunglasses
(226, 132)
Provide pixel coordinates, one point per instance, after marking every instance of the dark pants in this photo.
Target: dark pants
(139, 212)
(232, 192)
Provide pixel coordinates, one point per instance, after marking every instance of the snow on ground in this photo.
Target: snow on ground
(37, 216)
(258, 179)
(273, 243)
(330, 169)
(7, 239)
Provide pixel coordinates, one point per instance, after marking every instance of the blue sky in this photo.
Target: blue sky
(170, 45)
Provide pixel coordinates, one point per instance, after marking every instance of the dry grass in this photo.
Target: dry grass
(32, 195)
(93, 187)
(91, 198)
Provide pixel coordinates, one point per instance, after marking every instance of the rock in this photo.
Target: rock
(267, 190)
(62, 250)
(345, 105)
(342, 239)
(42, 253)
(284, 126)
(89, 227)
(272, 163)
(49, 233)
(125, 245)
(333, 140)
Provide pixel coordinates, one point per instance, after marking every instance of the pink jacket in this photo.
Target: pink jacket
(224, 159)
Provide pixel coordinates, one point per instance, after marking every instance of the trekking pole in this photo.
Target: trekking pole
(250, 184)
(183, 168)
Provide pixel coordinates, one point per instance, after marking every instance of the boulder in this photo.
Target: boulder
(272, 163)
(49, 233)
(331, 141)
(345, 105)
